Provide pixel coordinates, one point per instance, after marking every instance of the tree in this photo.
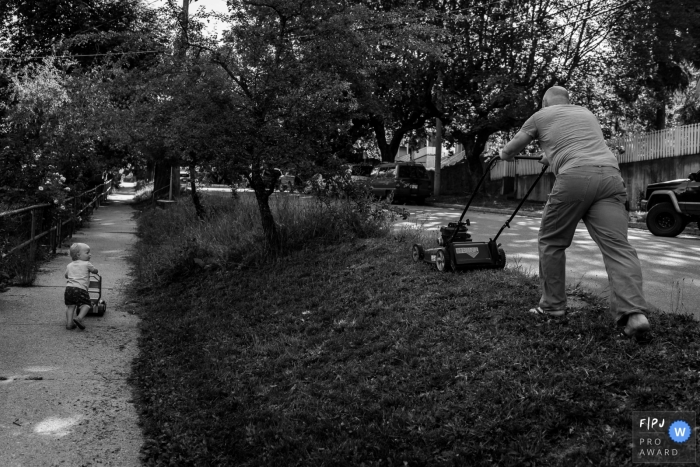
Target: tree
(289, 105)
(52, 101)
(503, 58)
(189, 109)
(86, 30)
(395, 75)
(652, 45)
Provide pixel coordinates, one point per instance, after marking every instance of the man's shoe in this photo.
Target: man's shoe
(641, 337)
(551, 313)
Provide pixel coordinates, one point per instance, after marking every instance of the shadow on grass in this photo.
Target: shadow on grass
(351, 354)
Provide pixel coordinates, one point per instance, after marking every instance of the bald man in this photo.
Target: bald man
(588, 186)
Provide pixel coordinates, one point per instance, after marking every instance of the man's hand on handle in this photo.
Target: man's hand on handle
(490, 156)
(498, 154)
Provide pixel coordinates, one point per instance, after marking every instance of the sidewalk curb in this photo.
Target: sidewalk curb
(631, 225)
(486, 210)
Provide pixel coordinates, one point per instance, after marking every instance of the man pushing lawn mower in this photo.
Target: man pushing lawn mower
(588, 186)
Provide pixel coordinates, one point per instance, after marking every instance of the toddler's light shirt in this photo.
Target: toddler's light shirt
(78, 274)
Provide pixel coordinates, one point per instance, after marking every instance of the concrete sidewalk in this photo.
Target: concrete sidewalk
(64, 399)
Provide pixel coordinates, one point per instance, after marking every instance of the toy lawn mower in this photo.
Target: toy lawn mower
(95, 291)
(456, 250)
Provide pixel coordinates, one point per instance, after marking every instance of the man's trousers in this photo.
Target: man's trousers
(597, 195)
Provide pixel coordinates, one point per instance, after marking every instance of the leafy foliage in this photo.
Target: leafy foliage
(655, 48)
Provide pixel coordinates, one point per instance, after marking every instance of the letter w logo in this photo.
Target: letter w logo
(680, 431)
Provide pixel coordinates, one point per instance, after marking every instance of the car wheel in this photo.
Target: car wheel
(441, 262)
(664, 221)
(417, 252)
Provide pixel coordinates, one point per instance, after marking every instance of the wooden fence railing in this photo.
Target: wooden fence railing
(672, 142)
(56, 230)
(513, 168)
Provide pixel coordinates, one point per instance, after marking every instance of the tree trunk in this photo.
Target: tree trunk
(660, 121)
(474, 144)
(380, 135)
(163, 174)
(388, 150)
(161, 180)
(270, 230)
(199, 209)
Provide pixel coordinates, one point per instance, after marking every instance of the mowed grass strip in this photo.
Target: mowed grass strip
(351, 354)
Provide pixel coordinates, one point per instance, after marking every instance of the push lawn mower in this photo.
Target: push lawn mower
(457, 251)
(99, 306)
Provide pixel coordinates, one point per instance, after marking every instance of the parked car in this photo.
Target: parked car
(184, 175)
(360, 172)
(290, 182)
(404, 180)
(672, 205)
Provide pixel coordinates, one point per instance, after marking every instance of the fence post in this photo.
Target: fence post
(32, 245)
(75, 212)
(52, 236)
(58, 235)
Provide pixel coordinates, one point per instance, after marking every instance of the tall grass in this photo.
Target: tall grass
(174, 240)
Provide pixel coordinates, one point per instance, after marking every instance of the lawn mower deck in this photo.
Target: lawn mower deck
(463, 253)
(457, 251)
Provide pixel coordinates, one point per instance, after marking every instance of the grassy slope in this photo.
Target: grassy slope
(352, 355)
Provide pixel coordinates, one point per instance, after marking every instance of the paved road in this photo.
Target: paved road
(671, 266)
(64, 399)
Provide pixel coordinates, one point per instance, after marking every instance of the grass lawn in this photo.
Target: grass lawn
(348, 353)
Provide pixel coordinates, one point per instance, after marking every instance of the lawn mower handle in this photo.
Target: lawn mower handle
(489, 164)
(507, 224)
(530, 158)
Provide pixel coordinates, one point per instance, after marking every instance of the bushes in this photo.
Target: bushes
(174, 241)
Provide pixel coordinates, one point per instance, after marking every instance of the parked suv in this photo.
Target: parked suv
(405, 181)
(672, 205)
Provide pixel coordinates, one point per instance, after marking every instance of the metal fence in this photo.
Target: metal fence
(34, 223)
(672, 142)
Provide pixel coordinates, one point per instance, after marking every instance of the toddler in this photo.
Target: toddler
(77, 299)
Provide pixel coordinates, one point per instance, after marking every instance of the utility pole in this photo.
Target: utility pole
(182, 51)
(438, 138)
(438, 156)
(185, 25)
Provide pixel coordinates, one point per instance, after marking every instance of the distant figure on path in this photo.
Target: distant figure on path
(76, 296)
(588, 186)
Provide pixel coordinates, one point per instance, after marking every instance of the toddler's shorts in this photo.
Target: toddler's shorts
(77, 297)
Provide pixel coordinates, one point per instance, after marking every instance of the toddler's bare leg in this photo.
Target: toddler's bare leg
(70, 314)
(78, 320)
(84, 310)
